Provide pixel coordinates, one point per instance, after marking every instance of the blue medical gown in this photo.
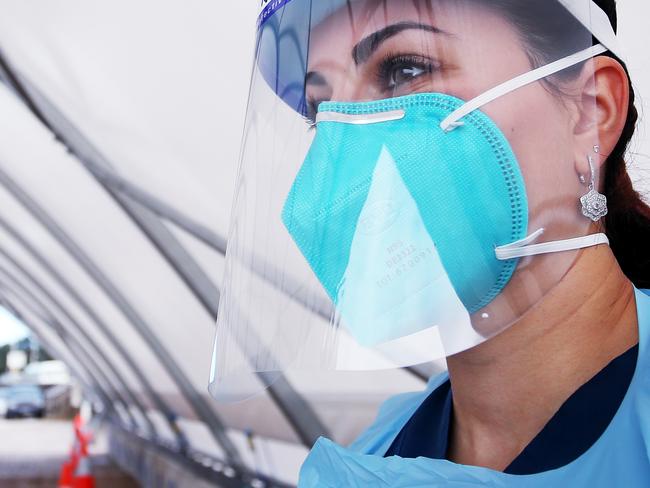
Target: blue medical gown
(619, 458)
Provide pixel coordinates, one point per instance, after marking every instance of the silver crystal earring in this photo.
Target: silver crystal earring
(594, 204)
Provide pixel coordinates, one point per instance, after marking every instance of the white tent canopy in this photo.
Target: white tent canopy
(117, 229)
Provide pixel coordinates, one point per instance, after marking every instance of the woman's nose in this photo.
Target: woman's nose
(352, 88)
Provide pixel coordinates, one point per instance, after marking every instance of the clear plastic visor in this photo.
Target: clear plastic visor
(371, 212)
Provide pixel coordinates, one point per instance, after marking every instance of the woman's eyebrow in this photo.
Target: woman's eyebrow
(364, 49)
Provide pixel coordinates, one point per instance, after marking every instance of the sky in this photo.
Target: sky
(11, 329)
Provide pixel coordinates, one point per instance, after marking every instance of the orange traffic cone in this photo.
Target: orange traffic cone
(67, 470)
(66, 476)
(83, 477)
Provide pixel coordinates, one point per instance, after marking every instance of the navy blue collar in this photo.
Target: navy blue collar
(576, 426)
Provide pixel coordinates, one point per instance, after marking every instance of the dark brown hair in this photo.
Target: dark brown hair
(628, 223)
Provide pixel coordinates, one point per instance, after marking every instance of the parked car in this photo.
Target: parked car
(4, 402)
(25, 401)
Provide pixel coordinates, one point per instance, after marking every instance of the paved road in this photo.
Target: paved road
(32, 451)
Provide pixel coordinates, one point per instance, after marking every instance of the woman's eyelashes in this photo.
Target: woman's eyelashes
(312, 109)
(398, 73)
(393, 75)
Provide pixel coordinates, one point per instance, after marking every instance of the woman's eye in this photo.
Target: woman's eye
(398, 71)
(404, 75)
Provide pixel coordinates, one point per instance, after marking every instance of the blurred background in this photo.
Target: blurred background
(120, 125)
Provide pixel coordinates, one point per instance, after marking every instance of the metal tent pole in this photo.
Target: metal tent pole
(203, 411)
(297, 411)
(101, 324)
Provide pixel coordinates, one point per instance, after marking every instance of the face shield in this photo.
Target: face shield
(415, 176)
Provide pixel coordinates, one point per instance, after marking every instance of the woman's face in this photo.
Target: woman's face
(373, 49)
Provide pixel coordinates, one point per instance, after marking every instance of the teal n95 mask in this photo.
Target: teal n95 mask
(399, 219)
(416, 175)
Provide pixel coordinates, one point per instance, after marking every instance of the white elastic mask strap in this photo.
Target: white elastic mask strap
(524, 248)
(453, 120)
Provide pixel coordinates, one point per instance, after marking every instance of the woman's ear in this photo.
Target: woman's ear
(603, 103)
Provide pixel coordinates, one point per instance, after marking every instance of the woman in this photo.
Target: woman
(464, 196)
